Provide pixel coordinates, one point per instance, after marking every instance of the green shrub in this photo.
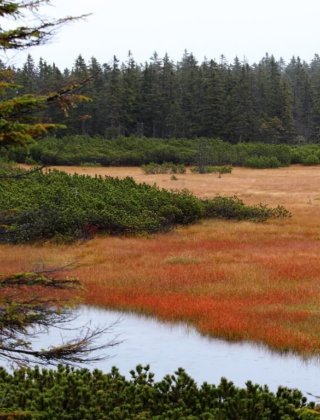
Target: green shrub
(42, 206)
(305, 154)
(310, 160)
(66, 393)
(90, 164)
(151, 168)
(226, 169)
(234, 208)
(262, 162)
(137, 151)
(296, 155)
(178, 169)
(164, 168)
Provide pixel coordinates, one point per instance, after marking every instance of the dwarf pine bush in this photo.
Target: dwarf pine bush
(67, 393)
(42, 206)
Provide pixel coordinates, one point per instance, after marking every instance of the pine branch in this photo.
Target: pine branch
(23, 319)
(22, 36)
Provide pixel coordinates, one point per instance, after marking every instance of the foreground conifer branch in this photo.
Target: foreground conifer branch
(20, 122)
(28, 309)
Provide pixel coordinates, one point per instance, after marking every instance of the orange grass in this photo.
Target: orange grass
(258, 282)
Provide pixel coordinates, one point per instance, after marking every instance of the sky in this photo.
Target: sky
(208, 28)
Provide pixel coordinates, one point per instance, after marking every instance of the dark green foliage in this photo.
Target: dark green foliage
(310, 160)
(132, 151)
(225, 169)
(268, 101)
(234, 208)
(56, 205)
(70, 394)
(304, 154)
(164, 168)
(43, 206)
(262, 162)
(21, 106)
(135, 151)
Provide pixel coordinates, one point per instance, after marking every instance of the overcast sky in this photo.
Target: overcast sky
(244, 28)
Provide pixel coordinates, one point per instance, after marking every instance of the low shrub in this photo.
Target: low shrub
(137, 151)
(68, 393)
(234, 208)
(225, 169)
(310, 160)
(306, 155)
(164, 168)
(90, 164)
(42, 206)
(262, 162)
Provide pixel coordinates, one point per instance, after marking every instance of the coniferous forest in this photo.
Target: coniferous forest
(271, 101)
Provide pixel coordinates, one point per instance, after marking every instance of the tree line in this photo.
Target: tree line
(270, 101)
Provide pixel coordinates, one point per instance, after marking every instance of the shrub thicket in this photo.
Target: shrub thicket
(56, 205)
(42, 206)
(134, 151)
(68, 393)
(311, 160)
(262, 162)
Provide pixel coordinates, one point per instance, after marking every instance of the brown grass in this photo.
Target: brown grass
(249, 281)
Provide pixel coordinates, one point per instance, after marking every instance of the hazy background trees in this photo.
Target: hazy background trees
(269, 101)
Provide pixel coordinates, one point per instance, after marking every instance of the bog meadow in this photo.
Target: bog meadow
(182, 192)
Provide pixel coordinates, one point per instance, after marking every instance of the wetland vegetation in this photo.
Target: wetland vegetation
(236, 280)
(112, 225)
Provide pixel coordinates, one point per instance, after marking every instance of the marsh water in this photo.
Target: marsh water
(168, 346)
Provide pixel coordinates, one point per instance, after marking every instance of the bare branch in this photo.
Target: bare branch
(22, 319)
(73, 352)
(23, 174)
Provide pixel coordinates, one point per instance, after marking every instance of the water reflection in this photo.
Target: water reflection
(169, 346)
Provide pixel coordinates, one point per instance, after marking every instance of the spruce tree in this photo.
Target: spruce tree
(189, 94)
(130, 95)
(302, 97)
(113, 105)
(151, 110)
(213, 100)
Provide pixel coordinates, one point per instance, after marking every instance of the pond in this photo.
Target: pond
(169, 346)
